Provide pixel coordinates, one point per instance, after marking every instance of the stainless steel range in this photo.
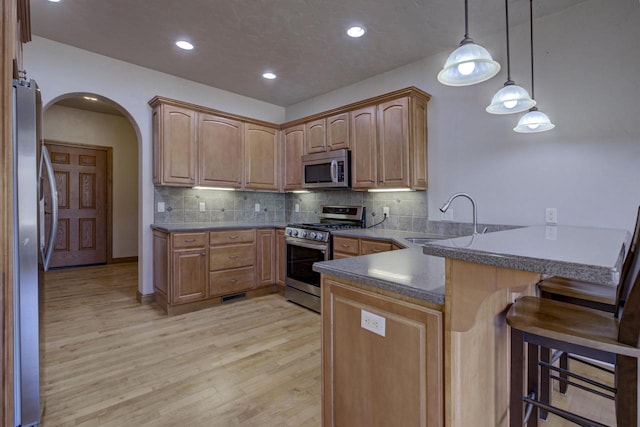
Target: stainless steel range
(309, 243)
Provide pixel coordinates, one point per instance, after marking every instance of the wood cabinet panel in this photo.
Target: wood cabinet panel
(189, 275)
(161, 262)
(393, 144)
(261, 157)
(346, 245)
(228, 237)
(369, 379)
(177, 145)
(265, 260)
(226, 282)
(316, 136)
(294, 145)
(281, 258)
(338, 131)
(364, 161)
(418, 143)
(189, 240)
(235, 256)
(368, 247)
(220, 144)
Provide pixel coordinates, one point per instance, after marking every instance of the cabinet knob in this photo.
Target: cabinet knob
(203, 254)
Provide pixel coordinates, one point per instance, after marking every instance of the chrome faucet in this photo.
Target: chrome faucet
(444, 208)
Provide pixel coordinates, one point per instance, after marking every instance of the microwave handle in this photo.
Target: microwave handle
(334, 171)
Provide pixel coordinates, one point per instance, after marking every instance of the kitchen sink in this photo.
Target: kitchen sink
(423, 240)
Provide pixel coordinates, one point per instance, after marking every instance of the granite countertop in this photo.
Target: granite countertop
(396, 236)
(406, 272)
(221, 225)
(582, 253)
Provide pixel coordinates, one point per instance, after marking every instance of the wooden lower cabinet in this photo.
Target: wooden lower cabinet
(281, 259)
(374, 380)
(193, 270)
(368, 247)
(345, 247)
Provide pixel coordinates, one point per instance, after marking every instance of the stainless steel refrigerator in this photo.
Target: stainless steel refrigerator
(31, 251)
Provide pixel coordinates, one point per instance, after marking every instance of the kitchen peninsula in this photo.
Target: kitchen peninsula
(436, 347)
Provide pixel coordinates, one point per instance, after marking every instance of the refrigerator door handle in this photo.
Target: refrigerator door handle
(46, 254)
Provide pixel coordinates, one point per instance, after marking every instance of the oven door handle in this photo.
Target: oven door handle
(321, 247)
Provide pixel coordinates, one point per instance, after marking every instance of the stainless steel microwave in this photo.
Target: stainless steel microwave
(330, 169)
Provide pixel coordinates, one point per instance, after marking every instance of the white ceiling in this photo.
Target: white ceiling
(302, 41)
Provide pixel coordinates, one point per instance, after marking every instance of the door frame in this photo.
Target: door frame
(109, 189)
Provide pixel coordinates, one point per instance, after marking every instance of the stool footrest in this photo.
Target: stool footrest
(582, 421)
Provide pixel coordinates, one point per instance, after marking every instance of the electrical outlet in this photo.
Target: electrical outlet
(202, 206)
(551, 216)
(373, 322)
(257, 207)
(385, 211)
(160, 206)
(297, 207)
(447, 216)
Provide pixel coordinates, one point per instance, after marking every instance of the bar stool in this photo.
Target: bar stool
(543, 323)
(593, 295)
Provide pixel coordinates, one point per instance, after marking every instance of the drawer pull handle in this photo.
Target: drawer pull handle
(344, 245)
(233, 280)
(375, 250)
(189, 240)
(203, 254)
(233, 256)
(234, 237)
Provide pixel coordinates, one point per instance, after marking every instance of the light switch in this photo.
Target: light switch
(257, 207)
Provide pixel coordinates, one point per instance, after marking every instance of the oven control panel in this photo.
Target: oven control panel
(300, 233)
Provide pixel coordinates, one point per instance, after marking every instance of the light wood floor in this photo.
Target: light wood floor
(112, 362)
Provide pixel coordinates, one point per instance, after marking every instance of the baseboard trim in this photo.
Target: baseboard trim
(146, 298)
(124, 260)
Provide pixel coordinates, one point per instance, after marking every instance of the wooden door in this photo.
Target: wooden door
(294, 141)
(364, 163)
(261, 157)
(220, 151)
(338, 131)
(316, 136)
(393, 144)
(81, 180)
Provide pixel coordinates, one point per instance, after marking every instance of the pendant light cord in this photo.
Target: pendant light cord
(533, 96)
(466, 19)
(506, 11)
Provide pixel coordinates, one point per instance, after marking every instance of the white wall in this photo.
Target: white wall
(587, 79)
(63, 124)
(61, 69)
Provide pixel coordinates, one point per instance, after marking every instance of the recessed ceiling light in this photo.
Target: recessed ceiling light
(183, 44)
(89, 98)
(269, 76)
(356, 31)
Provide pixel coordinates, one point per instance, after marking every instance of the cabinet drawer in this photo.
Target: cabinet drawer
(225, 257)
(368, 247)
(347, 245)
(230, 281)
(232, 236)
(340, 255)
(189, 240)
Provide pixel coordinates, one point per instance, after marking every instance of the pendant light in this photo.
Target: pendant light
(511, 98)
(469, 63)
(534, 120)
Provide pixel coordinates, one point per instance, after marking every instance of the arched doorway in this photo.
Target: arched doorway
(88, 126)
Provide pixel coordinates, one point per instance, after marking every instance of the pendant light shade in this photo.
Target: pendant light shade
(534, 121)
(511, 98)
(469, 63)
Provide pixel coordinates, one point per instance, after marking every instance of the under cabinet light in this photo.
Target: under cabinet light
(388, 190)
(213, 188)
(300, 191)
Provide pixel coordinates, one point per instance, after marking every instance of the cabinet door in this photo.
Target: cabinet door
(364, 163)
(281, 258)
(393, 144)
(368, 247)
(261, 157)
(346, 246)
(220, 151)
(160, 262)
(338, 131)
(178, 146)
(189, 275)
(294, 141)
(392, 377)
(316, 136)
(266, 258)
(418, 141)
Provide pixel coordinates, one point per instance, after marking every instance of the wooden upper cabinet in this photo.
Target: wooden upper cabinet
(364, 163)
(338, 131)
(261, 157)
(316, 136)
(293, 148)
(220, 144)
(175, 147)
(393, 144)
(418, 143)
